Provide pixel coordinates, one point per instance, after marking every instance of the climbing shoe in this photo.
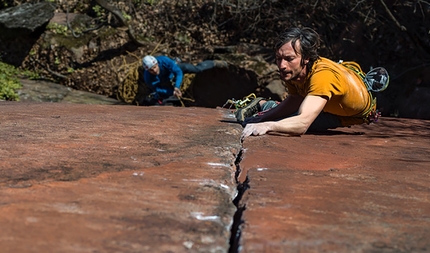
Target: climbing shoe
(249, 110)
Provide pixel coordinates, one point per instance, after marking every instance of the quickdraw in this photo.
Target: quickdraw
(239, 103)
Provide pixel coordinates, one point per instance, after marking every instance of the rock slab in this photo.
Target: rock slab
(100, 178)
(360, 189)
(118, 178)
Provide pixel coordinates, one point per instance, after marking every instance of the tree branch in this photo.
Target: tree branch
(117, 13)
(392, 16)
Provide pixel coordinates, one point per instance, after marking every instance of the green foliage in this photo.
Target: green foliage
(9, 82)
(184, 38)
(4, 4)
(126, 16)
(100, 12)
(57, 28)
(151, 2)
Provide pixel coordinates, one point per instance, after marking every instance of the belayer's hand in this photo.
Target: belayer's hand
(154, 95)
(177, 92)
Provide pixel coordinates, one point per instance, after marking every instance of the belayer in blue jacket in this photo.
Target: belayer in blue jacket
(159, 73)
(163, 76)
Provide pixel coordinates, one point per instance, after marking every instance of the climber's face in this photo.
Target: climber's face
(290, 63)
(155, 70)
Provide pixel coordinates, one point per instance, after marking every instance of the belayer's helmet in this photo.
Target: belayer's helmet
(149, 61)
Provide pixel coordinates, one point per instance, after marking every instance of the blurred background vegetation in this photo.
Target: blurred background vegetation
(394, 34)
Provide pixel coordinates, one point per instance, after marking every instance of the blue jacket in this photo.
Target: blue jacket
(161, 83)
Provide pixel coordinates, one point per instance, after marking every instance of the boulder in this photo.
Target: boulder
(20, 27)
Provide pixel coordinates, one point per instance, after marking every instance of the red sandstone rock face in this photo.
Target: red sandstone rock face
(109, 178)
(363, 189)
(87, 178)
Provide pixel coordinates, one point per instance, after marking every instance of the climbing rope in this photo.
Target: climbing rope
(127, 91)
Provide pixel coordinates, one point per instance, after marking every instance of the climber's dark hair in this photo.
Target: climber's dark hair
(309, 41)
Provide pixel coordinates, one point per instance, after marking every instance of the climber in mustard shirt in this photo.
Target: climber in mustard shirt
(322, 94)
